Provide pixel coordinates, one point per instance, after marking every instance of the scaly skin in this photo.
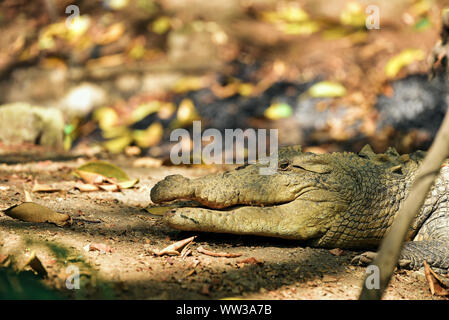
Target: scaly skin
(340, 200)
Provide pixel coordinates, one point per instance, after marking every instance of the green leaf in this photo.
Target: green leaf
(422, 24)
(105, 169)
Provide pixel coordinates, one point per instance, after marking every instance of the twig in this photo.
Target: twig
(218, 254)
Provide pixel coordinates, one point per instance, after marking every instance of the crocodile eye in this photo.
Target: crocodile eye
(283, 165)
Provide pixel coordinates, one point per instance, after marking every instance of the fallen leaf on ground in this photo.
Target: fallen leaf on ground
(251, 260)
(103, 248)
(27, 196)
(86, 187)
(147, 162)
(173, 249)
(278, 111)
(186, 251)
(44, 188)
(436, 284)
(91, 177)
(218, 254)
(190, 273)
(404, 58)
(327, 89)
(109, 187)
(93, 172)
(36, 265)
(158, 210)
(336, 252)
(33, 212)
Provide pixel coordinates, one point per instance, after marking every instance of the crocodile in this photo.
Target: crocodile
(337, 200)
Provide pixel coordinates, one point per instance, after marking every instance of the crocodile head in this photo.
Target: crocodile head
(310, 197)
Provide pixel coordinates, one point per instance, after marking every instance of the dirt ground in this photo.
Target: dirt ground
(126, 268)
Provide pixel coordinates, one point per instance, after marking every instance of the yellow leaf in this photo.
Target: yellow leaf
(144, 110)
(406, 57)
(118, 145)
(186, 112)
(293, 13)
(150, 136)
(189, 84)
(161, 25)
(137, 51)
(117, 4)
(307, 27)
(246, 89)
(278, 111)
(420, 7)
(327, 89)
(78, 26)
(166, 110)
(106, 117)
(115, 132)
(158, 210)
(353, 15)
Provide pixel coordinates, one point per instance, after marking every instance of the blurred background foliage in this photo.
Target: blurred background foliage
(125, 73)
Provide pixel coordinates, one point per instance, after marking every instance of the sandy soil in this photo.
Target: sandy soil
(128, 269)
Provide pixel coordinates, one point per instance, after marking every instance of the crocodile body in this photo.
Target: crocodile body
(343, 200)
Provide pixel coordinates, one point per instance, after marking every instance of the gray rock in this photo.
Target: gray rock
(192, 49)
(127, 83)
(159, 82)
(22, 122)
(82, 99)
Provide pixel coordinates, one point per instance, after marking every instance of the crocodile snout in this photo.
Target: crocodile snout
(171, 188)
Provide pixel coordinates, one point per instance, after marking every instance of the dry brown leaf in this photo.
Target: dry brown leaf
(33, 212)
(147, 162)
(43, 188)
(436, 285)
(186, 251)
(27, 196)
(218, 254)
(190, 273)
(336, 252)
(173, 248)
(109, 187)
(86, 187)
(91, 178)
(251, 260)
(103, 248)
